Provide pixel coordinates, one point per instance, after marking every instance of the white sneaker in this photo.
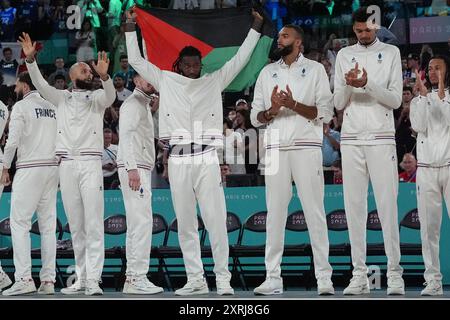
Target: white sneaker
(359, 284)
(396, 285)
(433, 288)
(325, 286)
(5, 281)
(224, 288)
(46, 288)
(93, 288)
(193, 287)
(140, 285)
(77, 288)
(269, 287)
(23, 286)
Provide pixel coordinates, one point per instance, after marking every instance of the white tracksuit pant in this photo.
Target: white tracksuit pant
(82, 194)
(138, 207)
(34, 190)
(432, 185)
(305, 168)
(197, 178)
(379, 162)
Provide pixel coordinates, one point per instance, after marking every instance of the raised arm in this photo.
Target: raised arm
(49, 93)
(104, 98)
(151, 73)
(232, 68)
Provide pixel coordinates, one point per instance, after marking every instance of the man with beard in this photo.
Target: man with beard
(430, 117)
(296, 115)
(5, 281)
(135, 161)
(191, 120)
(368, 98)
(32, 132)
(79, 144)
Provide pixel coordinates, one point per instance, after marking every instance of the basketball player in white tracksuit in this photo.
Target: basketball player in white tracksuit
(135, 160)
(79, 143)
(430, 117)
(296, 117)
(191, 119)
(5, 281)
(32, 132)
(368, 98)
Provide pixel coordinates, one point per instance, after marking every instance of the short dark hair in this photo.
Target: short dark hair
(297, 29)
(60, 77)
(188, 51)
(408, 88)
(57, 58)
(361, 15)
(123, 56)
(106, 129)
(7, 49)
(25, 78)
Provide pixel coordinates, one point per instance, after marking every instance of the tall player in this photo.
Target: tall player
(368, 97)
(79, 143)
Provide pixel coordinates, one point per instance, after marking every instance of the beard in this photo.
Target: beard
(284, 51)
(84, 84)
(19, 96)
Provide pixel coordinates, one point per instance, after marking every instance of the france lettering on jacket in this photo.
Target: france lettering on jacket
(41, 112)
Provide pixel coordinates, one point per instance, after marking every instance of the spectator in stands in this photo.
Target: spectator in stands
(44, 24)
(119, 84)
(59, 16)
(337, 172)
(332, 48)
(8, 18)
(404, 135)
(5, 91)
(328, 68)
(85, 42)
(233, 148)
(60, 82)
(413, 63)
(409, 164)
(232, 115)
(8, 67)
(185, 4)
(242, 125)
(97, 82)
(331, 145)
(224, 172)
(127, 72)
(109, 164)
(119, 48)
(90, 10)
(27, 16)
(241, 104)
(60, 70)
(425, 58)
(114, 21)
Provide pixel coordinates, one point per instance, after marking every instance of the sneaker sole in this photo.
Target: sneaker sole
(272, 293)
(226, 293)
(46, 293)
(194, 293)
(69, 293)
(97, 293)
(432, 294)
(18, 293)
(128, 291)
(395, 292)
(364, 291)
(326, 292)
(5, 285)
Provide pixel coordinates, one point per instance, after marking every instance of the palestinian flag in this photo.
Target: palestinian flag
(218, 34)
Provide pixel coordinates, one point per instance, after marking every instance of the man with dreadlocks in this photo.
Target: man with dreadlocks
(430, 117)
(189, 102)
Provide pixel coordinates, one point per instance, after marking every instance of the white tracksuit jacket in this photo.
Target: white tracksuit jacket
(80, 115)
(308, 82)
(368, 115)
(32, 131)
(136, 134)
(185, 104)
(4, 114)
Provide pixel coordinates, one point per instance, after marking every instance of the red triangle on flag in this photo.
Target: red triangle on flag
(164, 42)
